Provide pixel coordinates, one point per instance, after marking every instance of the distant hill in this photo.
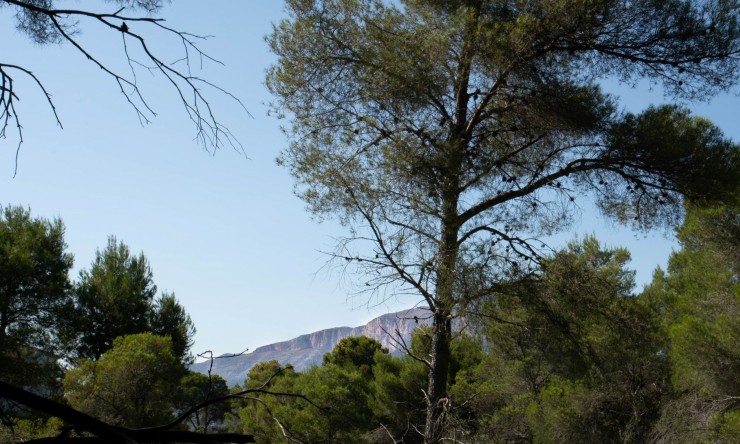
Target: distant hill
(309, 349)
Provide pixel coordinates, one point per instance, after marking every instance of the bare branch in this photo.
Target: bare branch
(209, 131)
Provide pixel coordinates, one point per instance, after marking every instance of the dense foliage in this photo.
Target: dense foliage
(571, 355)
(133, 384)
(120, 351)
(34, 297)
(699, 301)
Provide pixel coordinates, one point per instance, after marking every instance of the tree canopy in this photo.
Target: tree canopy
(452, 136)
(197, 388)
(35, 296)
(354, 351)
(698, 297)
(113, 297)
(116, 297)
(120, 352)
(168, 318)
(133, 384)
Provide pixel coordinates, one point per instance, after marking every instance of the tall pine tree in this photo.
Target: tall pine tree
(450, 136)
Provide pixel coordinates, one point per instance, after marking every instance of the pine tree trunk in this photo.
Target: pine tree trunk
(437, 401)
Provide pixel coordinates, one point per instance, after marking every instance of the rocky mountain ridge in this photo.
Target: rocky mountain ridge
(309, 349)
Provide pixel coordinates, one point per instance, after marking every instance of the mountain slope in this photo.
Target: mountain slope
(309, 349)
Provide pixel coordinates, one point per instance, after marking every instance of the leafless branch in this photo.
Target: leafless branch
(209, 131)
(401, 343)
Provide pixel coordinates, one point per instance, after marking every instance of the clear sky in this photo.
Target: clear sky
(223, 232)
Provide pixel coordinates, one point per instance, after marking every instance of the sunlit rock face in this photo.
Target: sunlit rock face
(309, 349)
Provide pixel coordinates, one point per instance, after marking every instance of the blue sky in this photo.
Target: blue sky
(224, 232)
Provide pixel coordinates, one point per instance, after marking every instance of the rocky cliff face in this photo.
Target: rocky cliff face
(306, 350)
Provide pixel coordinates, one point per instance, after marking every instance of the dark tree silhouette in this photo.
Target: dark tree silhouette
(43, 23)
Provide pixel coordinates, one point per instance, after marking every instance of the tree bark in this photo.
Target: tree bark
(437, 401)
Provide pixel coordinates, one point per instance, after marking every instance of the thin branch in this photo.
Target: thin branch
(210, 133)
